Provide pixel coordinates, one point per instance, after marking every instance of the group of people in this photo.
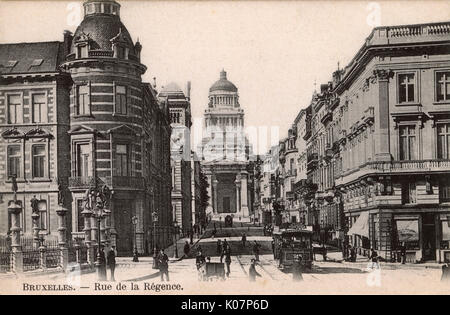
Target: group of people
(107, 261)
(267, 230)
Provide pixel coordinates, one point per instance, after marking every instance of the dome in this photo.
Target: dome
(100, 29)
(223, 84)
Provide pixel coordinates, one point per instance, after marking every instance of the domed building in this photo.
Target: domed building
(225, 152)
(118, 132)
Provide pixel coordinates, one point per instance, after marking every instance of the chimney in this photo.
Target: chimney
(188, 90)
(68, 37)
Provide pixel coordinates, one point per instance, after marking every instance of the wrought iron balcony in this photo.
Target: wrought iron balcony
(82, 182)
(394, 167)
(124, 182)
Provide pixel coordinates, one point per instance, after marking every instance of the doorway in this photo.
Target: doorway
(429, 237)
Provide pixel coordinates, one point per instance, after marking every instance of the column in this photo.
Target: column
(210, 194)
(87, 230)
(112, 225)
(383, 142)
(215, 182)
(244, 192)
(62, 241)
(17, 257)
(238, 194)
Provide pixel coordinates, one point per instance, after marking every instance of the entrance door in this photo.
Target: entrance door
(226, 204)
(429, 236)
(124, 228)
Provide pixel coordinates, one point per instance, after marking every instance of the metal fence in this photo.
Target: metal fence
(5, 261)
(31, 260)
(53, 258)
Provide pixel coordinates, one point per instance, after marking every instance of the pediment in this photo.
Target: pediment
(123, 130)
(77, 130)
(38, 133)
(13, 134)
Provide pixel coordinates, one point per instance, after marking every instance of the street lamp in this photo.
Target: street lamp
(95, 202)
(134, 221)
(155, 220)
(175, 232)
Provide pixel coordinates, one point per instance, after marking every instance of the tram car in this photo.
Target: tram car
(289, 244)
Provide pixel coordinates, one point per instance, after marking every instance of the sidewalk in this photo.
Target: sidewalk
(362, 262)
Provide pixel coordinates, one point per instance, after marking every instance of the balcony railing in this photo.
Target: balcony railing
(130, 182)
(394, 167)
(82, 182)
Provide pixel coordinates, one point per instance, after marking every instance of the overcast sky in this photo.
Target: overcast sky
(272, 51)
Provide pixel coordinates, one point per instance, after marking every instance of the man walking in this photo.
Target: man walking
(219, 247)
(111, 259)
(187, 249)
(244, 240)
(163, 263)
(256, 250)
(228, 259)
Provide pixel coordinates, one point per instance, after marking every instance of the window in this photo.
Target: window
(14, 159)
(120, 52)
(122, 160)
(445, 241)
(39, 161)
(83, 103)
(42, 206)
(407, 142)
(408, 233)
(407, 87)
(121, 100)
(443, 86)
(80, 216)
(409, 192)
(39, 110)
(84, 160)
(443, 141)
(444, 190)
(14, 109)
(82, 51)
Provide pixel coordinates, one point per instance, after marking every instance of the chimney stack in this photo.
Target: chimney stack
(68, 37)
(188, 90)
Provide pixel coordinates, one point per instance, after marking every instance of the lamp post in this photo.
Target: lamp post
(155, 220)
(134, 221)
(175, 232)
(95, 202)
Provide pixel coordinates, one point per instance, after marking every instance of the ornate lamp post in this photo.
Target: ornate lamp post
(175, 232)
(35, 219)
(95, 202)
(134, 221)
(155, 254)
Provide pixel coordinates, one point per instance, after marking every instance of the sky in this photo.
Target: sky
(274, 52)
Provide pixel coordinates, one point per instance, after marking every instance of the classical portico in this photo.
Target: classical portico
(225, 151)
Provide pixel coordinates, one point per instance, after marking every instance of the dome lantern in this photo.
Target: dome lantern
(101, 7)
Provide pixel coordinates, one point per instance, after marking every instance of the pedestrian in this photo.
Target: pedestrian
(265, 230)
(102, 265)
(219, 247)
(244, 240)
(163, 263)
(252, 273)
(445, 278)
(112, 262)
(324, 252)
(224, 249)
(352, 254)
(297, 269)
(228, 260)
(187, 249)
(256, 247)
(373, 258)
(199, 260)
(403, 253)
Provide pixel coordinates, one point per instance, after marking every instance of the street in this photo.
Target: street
(325, 277)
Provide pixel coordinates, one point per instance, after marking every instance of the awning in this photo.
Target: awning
(361, 226)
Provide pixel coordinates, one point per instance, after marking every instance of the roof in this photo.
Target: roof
(30, 57)
(101, 29)
(223, 84)
(172, 90)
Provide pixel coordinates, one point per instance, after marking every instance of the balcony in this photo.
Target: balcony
(82, 182)
(327, 117)
(395, 167)
(114, 182)
(369, 115)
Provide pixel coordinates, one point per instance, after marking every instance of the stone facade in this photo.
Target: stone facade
(83, 118)
(225, 153)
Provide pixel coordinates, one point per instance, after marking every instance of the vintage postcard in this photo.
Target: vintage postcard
(224, 147)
